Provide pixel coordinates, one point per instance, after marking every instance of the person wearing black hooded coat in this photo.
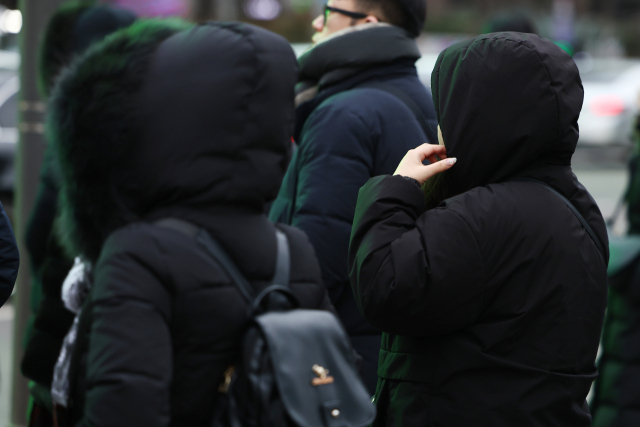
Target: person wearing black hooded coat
(73, 27)
(349, 127)
(616, 396)
(176, 122)
(9, 257)
(492, 301)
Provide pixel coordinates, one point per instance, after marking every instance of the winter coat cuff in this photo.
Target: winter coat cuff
(399, 189)
(413, 181)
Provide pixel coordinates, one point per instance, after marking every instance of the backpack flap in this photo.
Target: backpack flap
(315, 369)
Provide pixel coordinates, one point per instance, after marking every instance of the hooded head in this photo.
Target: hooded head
(506, 102)
(71, 30)
(162, 119)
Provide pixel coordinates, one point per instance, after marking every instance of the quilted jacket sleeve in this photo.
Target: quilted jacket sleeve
(9, 257)
(413, 273)
(130, 362)
(334, 159)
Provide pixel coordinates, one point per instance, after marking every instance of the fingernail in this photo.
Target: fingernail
(451, 161)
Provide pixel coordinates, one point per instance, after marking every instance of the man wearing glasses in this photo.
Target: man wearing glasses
(360, 108)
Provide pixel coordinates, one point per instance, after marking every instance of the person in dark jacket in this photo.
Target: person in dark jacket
(632, 194)
(489, 290)
(9, 257)
(187, 123)
(71, 30)
(348, 130)
(616, 396)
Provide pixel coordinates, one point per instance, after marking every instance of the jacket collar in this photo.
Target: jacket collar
(350, 58)
(352, 50)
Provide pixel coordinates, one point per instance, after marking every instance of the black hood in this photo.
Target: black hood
(216, 113)
(157, 121)
(506, 102)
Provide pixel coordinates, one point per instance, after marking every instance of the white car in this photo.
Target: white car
(611, 89)
(425, 67)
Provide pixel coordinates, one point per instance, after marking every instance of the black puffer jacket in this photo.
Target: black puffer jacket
(208, 144)
(346, 134)
(492, 303)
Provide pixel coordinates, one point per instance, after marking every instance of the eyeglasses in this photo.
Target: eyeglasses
(353, 15)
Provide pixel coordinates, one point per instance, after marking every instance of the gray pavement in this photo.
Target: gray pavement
(605, 184)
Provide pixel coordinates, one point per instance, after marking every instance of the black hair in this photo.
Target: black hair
(408, 14)
(56, 49)
(74, 26)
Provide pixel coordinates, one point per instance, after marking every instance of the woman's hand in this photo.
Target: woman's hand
(411, 166)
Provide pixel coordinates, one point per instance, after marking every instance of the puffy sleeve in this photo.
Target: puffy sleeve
(9, 257)
(414, 273)
(130, 362)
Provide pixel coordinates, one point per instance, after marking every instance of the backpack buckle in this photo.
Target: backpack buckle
(323, 376)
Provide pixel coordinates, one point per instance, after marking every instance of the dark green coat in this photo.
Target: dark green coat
(492, 303)
(616, 401)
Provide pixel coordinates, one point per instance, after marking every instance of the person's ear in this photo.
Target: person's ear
(370, 18)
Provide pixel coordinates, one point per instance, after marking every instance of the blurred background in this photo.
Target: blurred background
(603, 36)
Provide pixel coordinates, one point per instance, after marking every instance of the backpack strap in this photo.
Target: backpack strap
(179, 225)
(283, 261)
(406, 100)
(213, 248)
(573, 209)
(216, 251)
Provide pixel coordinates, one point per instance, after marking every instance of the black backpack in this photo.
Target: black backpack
(296, 366)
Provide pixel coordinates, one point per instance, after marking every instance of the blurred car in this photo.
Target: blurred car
(611, 88)
(9, 135)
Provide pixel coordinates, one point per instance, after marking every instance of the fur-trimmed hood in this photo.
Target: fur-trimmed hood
(163, 121)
